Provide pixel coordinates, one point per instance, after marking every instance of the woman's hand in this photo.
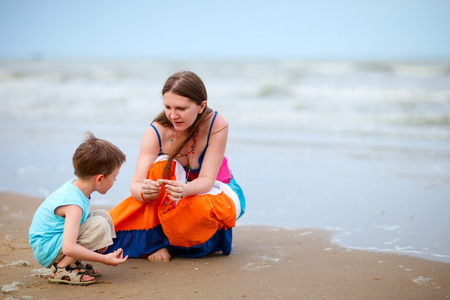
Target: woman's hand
(175, 189)
(150, 190)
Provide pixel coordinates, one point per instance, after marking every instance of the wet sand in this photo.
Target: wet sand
(266, 263)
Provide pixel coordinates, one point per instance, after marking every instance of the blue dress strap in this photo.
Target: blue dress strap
(210, 128)
(202, 155)
(159, 139)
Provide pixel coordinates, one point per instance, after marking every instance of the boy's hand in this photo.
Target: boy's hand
(115, 258)
(150, 190)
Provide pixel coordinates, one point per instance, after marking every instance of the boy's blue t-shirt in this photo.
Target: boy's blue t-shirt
(46, 230)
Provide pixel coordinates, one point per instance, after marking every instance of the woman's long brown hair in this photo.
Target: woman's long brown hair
(189, 85)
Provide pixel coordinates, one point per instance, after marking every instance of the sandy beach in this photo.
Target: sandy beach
(266, 263)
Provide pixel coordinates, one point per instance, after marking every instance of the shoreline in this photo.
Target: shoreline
(266, 262)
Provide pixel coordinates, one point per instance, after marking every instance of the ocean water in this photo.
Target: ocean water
(362, 148)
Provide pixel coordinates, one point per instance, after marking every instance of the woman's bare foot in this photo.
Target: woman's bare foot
(161, 255)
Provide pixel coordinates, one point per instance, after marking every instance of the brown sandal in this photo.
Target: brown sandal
(68, 275)
(87, 269)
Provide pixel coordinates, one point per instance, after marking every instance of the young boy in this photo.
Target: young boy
(63, 232)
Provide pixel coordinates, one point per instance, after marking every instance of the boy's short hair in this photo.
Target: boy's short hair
(96, 156)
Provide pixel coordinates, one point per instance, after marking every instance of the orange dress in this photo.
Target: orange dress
(193, 227)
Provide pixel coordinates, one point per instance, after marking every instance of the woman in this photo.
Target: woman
(184, 199)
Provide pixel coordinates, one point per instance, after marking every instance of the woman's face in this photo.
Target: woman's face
(181, 111)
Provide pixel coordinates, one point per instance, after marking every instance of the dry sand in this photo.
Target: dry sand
(266, 263)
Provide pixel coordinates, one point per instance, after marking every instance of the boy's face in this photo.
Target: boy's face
(108, 181)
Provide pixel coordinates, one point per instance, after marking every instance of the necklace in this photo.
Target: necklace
(191, 152)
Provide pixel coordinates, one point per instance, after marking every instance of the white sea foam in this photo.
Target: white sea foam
(389, 228)
(324, 97)
(41, 272)
(7, 288)
(440, 255)
(19, 263)
(391, 242)
(306, 233)
(422, 280)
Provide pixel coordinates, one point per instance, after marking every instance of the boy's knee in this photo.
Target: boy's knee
(100, 212)
(99, 222)
(95, 233)
(94, 225)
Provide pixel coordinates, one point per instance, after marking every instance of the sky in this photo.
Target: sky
(232, 29)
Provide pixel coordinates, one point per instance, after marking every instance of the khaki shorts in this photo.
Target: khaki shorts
(95, 233)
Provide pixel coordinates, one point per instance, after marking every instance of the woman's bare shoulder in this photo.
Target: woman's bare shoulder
(161, 129)
(151, 137)
(158, 126)
(219, 123)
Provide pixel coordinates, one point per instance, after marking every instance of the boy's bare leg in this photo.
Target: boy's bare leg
(162, 255)
(66, 261)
